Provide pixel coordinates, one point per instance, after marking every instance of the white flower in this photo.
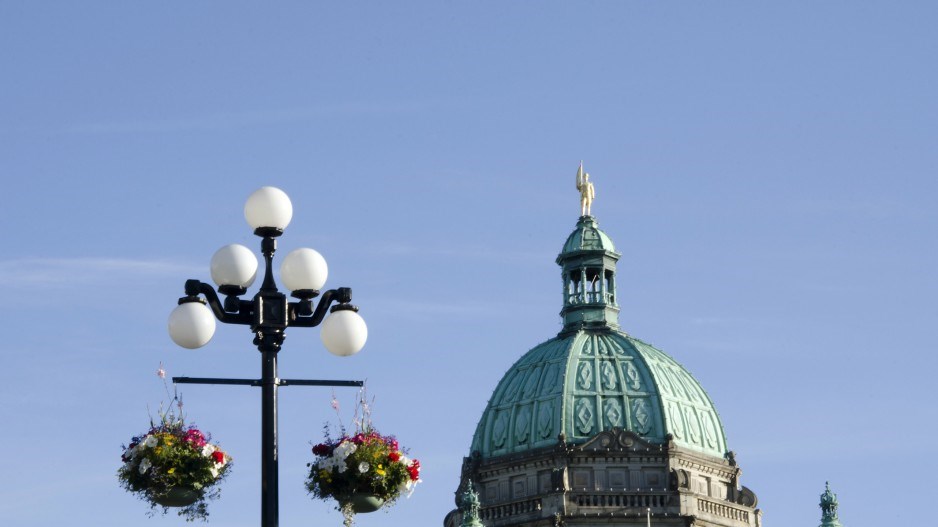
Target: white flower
(363, 467)
(214, 471)
(407, 486)
(150, 441)
(208, 449)
(144, 465)
(344, 450)
(331, 463)
(130, 452)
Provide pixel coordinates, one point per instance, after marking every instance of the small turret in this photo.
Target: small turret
(469, 506)
(829, 508)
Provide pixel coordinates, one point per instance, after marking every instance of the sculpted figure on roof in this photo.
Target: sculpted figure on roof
(587, 192)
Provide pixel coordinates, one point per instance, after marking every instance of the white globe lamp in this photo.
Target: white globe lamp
(304, 269)
(234, 265)
(344, 332)
(268, 209)
(191, 325)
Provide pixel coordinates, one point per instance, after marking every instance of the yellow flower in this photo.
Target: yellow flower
(170, 471)
(325, 476)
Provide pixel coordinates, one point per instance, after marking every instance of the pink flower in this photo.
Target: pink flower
(195, 438)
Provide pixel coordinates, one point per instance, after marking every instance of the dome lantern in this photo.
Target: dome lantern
(588, 269)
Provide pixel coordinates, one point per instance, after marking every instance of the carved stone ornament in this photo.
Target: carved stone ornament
(663, 380)
(679, 479)
(747, 497)
(612, 411)
(531, 384)
(693, 427)
(709, 434)
(677, 422)
(522, 421)
(608, 375)
(641, 416)
(585, 376)
(545, 419)
(616, 348)
(617, 439)
(587, 347)
(513, 386)
(500, 430)
(603, 348)
(584, 416)
(632, 377)
(686, 386)
(550, 383)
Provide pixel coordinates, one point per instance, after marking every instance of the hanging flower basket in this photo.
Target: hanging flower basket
(363, 472)
(174, 465)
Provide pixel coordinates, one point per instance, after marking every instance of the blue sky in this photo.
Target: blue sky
(767, 170)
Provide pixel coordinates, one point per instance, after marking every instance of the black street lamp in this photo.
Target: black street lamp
(269, 313)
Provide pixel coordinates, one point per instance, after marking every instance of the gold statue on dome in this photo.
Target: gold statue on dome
(587, 192)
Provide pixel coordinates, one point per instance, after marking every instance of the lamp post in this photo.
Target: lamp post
(269, 313)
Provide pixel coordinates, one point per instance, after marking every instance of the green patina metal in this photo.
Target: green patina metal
(829, 508)
(469, 506)
(593, 377)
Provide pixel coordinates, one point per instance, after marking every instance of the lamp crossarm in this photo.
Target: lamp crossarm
(342, 295)
(259, 382)
(244, 316)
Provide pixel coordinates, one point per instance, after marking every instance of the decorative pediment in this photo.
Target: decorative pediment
(619, 440)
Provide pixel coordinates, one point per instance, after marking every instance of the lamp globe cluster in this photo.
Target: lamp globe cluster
(234, 268)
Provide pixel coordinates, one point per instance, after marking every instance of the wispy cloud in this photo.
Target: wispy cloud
(719, 320)
(463, 252)
(412, 309)
(47, 272)
(876, 207)
(223, 121)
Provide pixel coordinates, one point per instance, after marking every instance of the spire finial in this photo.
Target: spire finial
(829, 507)
(587, 192)
(469, 506)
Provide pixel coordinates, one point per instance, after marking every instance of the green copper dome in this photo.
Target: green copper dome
(587, 237)
(593, 377)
